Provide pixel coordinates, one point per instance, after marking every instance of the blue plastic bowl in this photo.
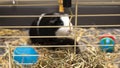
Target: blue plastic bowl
(107, 44)
(25, 60)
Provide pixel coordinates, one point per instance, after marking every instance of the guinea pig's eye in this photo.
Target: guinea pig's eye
(61, 23)
(52, 22)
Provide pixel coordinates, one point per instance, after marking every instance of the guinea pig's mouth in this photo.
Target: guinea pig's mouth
(63, 32)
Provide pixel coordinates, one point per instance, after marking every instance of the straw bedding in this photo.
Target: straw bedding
(90, 56)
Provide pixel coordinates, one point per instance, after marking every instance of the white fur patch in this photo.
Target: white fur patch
(66, 29)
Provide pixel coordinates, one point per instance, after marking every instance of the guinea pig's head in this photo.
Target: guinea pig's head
(63, 21)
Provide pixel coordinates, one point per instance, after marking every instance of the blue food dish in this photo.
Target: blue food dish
(30, 55)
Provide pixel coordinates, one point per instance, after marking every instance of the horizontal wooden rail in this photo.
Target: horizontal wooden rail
(49, 36)
(56, 4)
(97, 15)
(26, 55)
(103, 26)
(79, 15)
(28, 0)
(79, 26)
(33, 26)
(9, 5)
(35, 36)
(99, 3)
(36, 0)
(47, 46)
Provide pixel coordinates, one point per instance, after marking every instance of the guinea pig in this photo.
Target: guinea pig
(62, 20)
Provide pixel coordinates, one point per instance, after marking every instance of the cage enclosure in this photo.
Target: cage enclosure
(50, 27)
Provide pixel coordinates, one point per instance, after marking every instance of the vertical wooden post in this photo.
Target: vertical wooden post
(76, 21)
(10, 54)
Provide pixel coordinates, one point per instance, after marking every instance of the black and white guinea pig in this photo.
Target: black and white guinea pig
(63, 20)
